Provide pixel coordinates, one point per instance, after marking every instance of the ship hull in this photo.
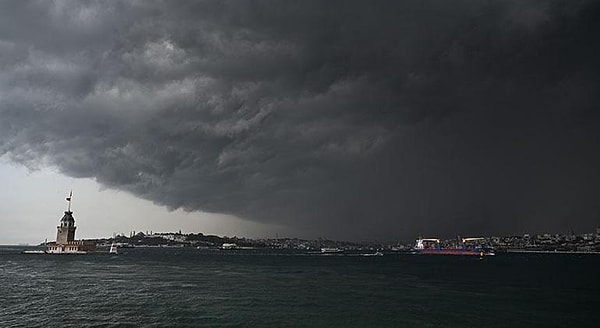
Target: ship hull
(459, 252)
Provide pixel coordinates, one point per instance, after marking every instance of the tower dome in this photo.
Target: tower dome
(67, 220)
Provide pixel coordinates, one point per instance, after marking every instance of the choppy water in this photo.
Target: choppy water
(184, 287)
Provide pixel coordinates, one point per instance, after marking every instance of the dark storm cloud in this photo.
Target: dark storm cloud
(337, 118)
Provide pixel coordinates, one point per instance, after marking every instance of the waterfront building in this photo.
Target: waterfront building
(65, 236)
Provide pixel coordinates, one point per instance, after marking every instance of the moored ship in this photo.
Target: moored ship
(331, 250)
(467, 246)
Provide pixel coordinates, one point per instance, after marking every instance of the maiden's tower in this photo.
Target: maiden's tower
(65, 236)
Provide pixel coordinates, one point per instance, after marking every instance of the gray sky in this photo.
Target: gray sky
(311, 118)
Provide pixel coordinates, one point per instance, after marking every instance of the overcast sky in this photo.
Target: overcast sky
(341, 119)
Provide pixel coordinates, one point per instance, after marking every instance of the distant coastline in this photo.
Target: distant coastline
(586, 243)
(551, 252)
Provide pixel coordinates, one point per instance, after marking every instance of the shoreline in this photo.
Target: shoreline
(551, 252)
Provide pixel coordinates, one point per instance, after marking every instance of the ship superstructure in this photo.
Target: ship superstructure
(467, 246)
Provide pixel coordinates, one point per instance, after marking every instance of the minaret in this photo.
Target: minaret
(65, 232)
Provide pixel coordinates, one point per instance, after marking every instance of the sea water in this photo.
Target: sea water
(187, 287)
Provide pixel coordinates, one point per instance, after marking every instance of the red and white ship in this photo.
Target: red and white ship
(468, 246)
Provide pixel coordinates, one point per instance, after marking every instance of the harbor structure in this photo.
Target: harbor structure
(65, 236)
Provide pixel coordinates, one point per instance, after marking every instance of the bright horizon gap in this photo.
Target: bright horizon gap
(37, 199)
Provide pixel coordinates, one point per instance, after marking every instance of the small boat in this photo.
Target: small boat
(35, 252)
(229, 246)
(331, 250)
(373, 254)
(113, 249)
